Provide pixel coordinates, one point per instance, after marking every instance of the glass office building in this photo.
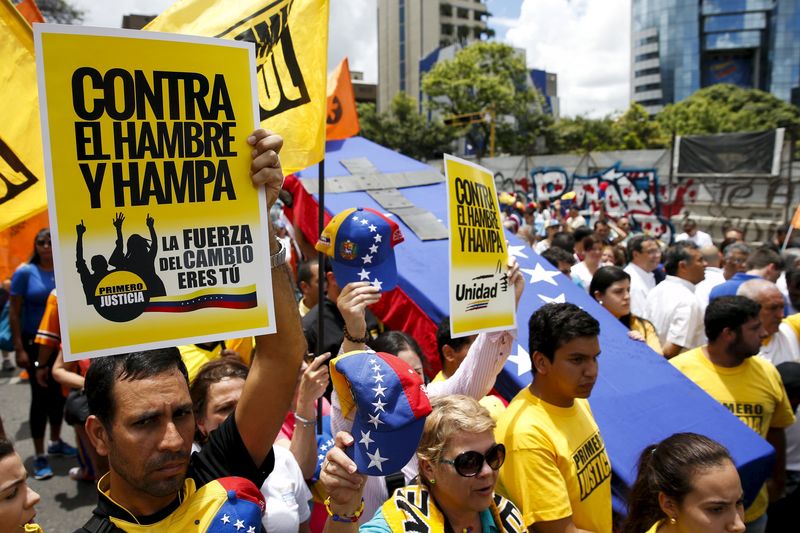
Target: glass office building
(679, 46)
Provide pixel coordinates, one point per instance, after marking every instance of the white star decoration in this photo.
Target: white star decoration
(378, 378)
(364, 222)
(379, 405)
(367, 259)
(378, 284)
(375, 419)
(239, 525)
(355, 218)
(539, 273)
(378, 237)
(522, 359)
(373, 249)
(516, 251)
(363, 275)
(365, 440)
(560, 299)
(376, 460)
(320, 457)
(373, 360)
(373, 228)
(225, 519)
(376, 367)
(379, 391)
(251, 529)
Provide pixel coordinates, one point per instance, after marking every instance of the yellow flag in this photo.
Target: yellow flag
(22, 189)
(291, 39)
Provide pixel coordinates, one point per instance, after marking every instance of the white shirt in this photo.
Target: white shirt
(642, 282)
(675, 312)
(713, 278)
(542, 246)
(782, 347)
(793, 445)
(700, 238)
(576, 222)
(581, 275)
(286, 494)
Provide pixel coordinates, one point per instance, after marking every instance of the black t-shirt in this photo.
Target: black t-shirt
(223, 455)
(333, 334)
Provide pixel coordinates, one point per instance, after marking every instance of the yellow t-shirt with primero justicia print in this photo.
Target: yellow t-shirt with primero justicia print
(556, 463)
(752, 391)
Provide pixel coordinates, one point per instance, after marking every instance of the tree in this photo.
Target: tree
(636, 130)
(404, 129)
(584, 134)
(725, 108)
(60, 11)
(489, 76)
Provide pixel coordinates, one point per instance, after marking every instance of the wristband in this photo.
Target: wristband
(349, 337)
(305, 422)
(278, 258)
(344, 517)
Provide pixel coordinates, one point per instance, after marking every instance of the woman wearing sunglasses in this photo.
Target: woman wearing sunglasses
(458, 463)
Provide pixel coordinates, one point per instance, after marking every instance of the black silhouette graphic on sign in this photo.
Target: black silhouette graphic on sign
(140, 257)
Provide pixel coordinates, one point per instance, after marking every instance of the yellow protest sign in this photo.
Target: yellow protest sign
(22, 189)
(158, 233)
(481, 298)
(291, 41)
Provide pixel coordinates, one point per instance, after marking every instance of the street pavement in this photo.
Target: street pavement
(66, 504)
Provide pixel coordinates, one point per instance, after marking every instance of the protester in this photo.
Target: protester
(549, 431)
(611, 287)
(763, 262)
(734, 258)
(141, 412)
(215, 394)
(713, 275)
(551, 228)
(749, 386)
(6, 341)
(783, 511)
(575, 220)
(403, 346)
(451, 354)
(560, 259)
(458, 462)
(195, 356)
(672, 306)
(475, 377)
(30, 286)
(565, 241)
(580, 234)
(782, 343)
(17, 499)
(582, 272)
(686, 483)
(644, 255)
(691, 233)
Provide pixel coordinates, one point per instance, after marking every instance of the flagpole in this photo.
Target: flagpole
(321, 277)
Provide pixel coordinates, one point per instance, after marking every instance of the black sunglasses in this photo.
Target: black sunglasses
(469, 464)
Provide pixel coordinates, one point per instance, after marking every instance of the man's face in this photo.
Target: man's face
(748, 339)
(733, 263)
(602, 231)
(793, 285)
(694, 270)
(771, 314)
(624, 224)
(311, 289)
(150, 438)
(574, 368)
(734, 234)
(690, 229)
(649, 257)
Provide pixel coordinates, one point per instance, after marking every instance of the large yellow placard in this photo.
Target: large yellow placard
(159, 235)
(481, 297)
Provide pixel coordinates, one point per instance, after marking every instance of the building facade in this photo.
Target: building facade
(680, 46)
(409, 30)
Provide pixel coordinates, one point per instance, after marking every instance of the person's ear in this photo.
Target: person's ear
(668, 505)
(448, 353)
(426, 469)
(98, 435)
(541, 363)
(201, 425)
(597, 295)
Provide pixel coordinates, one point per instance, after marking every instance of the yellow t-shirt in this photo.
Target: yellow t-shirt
(752, 391)
(655, 527)
(492, 403)
(556, 463)
(195, 357)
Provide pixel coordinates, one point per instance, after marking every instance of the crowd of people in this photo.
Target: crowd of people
(225, 434)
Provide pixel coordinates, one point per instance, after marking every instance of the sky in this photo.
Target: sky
(585, 42)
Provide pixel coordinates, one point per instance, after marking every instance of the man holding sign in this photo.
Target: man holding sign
(141, 417)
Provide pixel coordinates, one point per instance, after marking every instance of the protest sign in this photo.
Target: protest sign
(481, 298)
(159, 237)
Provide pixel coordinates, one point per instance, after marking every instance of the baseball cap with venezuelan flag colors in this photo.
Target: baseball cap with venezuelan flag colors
(360, 242)
(390, 405)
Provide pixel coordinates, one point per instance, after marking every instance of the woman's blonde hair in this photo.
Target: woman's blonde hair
(451, 415)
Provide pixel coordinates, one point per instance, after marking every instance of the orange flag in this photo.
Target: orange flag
(342, 121)
(796, 218)
(16, 243)
(30, 11)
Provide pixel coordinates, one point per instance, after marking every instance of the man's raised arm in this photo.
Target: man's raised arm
(270, 384)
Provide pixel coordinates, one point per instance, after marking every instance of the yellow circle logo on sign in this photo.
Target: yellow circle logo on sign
(121, 296)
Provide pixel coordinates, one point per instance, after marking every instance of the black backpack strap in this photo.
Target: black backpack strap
(98, 524)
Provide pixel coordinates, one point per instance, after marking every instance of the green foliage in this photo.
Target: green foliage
(726, 108)
(489, 76)
(60, 11)
(404, 129)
